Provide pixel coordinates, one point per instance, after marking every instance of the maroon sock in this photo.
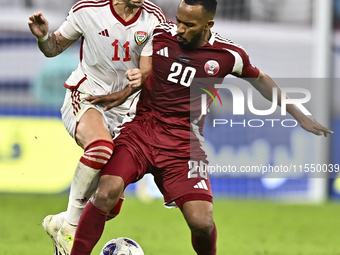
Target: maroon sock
(89, 230)
(205, 245)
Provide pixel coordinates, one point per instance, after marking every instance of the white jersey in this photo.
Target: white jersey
(110, 46)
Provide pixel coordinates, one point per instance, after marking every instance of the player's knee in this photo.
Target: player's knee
(105, 200)
(202, 226)
(108, 192)
(90, 128)
(199, 216)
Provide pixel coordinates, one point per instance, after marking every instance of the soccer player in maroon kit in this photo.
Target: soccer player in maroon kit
(163, 137)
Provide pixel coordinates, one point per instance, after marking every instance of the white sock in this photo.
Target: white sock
(84, 183)
(86, 176)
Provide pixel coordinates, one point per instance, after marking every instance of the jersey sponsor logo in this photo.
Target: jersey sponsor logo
(164, 52)
(140, 37)
(212, 67)
(201, 185)
(104, 33)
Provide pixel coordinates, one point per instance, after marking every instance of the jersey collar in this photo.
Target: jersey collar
(212, 38)
(124, 23)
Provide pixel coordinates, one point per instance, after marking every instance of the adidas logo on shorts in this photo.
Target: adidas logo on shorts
(201, 185)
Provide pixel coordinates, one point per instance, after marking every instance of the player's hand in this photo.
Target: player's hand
(311, 125)
(38, 24)
(110, 100)
(134, 77)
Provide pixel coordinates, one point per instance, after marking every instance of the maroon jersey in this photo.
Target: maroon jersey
(167, 89)
(168, 107)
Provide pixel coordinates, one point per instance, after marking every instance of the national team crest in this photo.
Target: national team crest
(211, 67)
(140, 37)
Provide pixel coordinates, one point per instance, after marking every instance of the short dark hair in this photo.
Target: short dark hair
(208, 5)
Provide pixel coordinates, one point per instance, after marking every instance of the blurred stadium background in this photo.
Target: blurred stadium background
(283, 38)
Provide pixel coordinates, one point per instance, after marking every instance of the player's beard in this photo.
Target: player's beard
(193, 43)
(133, 4)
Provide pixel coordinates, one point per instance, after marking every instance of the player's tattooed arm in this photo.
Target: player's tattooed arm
(50, 44)
(55, 44)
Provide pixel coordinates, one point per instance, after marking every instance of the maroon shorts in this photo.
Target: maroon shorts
(133, 157)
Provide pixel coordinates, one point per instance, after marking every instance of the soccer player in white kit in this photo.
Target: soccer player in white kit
(114, 44)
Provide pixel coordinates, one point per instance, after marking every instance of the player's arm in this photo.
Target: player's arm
(114, 99)
(50, 44)
(264, 84)
(136, 79)
(145, 67)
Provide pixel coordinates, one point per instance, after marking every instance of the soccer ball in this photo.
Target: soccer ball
(122, 246)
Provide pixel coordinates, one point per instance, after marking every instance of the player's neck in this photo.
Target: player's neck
(124, 11)
(205, 38)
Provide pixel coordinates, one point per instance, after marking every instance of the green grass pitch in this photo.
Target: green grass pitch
(244, 227)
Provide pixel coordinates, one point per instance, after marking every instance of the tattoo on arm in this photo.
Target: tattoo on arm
(54, 45)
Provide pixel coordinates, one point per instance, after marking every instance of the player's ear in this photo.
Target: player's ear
(209, 25)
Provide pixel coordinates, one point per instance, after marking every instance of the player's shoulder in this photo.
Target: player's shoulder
(86, 4)
(220, 42)
(154, 11)
(168, 27)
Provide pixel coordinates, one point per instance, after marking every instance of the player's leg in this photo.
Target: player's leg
(121, 170)
(86, 124)
(193, 196)
(93, 218)
(199, 217)
(92, 135)
(91, 130)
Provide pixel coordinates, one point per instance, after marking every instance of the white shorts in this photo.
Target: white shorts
(75, 106)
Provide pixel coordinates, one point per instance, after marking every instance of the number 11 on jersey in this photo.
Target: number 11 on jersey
(115, 44)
